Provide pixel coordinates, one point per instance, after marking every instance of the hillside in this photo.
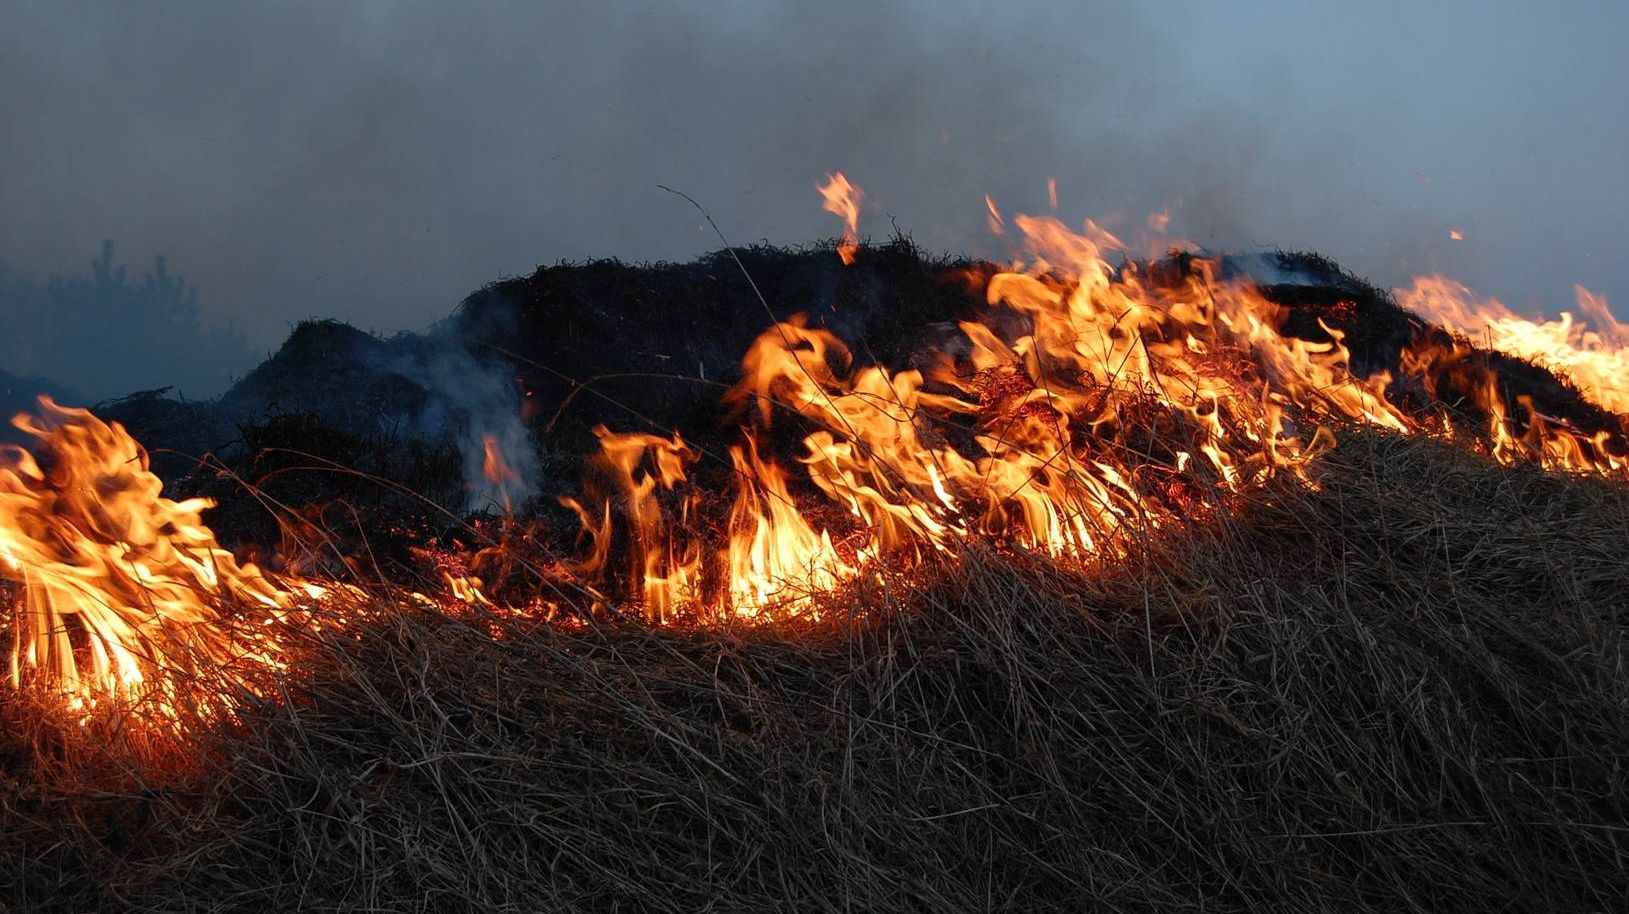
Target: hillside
(1331, 639)
(1404, 692)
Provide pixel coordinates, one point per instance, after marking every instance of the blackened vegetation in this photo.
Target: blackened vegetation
(353, 429)
(335, 370)
(341, 435)
(651, 348)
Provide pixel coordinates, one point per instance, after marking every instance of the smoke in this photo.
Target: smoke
(474, 404)
(375, 161)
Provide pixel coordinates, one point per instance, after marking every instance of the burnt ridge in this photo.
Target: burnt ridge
(653, 346)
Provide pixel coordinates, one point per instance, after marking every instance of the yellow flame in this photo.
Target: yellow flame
(1090, 401)
(776, 560)
(1593, 353)
(122, 589)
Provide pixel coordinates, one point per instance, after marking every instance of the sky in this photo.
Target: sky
(377, 160)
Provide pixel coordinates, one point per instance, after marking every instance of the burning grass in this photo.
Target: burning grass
(1403, 690)
(1079, 609)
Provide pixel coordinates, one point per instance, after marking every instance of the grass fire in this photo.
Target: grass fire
(1124, 575)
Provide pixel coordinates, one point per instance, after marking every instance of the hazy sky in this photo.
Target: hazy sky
(376, 160)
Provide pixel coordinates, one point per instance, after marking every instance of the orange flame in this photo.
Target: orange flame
(1049, 453)
(1593, 355)
(124, 591)
(842, 199)
(1091, 402)
(668, 572)
(498, 471)
(775, 558)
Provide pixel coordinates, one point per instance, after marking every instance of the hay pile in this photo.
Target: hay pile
(1403, 692)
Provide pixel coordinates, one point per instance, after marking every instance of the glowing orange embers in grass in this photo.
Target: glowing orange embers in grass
(123, 590)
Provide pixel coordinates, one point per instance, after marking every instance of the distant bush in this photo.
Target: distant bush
(106, 334)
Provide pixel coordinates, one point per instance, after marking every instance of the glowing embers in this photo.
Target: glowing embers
(124, 592)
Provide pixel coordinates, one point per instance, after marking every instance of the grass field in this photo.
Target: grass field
(1404, 691)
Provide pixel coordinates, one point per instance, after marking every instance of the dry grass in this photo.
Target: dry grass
(1404, 692)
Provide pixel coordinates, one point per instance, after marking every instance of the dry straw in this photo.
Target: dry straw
(1402, 692)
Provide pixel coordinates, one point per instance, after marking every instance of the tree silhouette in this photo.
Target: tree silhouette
(106, 335)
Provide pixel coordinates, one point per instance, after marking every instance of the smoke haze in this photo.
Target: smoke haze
(376, 160)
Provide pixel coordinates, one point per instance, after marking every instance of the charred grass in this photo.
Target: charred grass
(1404, 691)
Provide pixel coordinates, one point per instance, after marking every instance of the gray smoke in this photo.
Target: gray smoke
(376, 160)
(475, 404)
